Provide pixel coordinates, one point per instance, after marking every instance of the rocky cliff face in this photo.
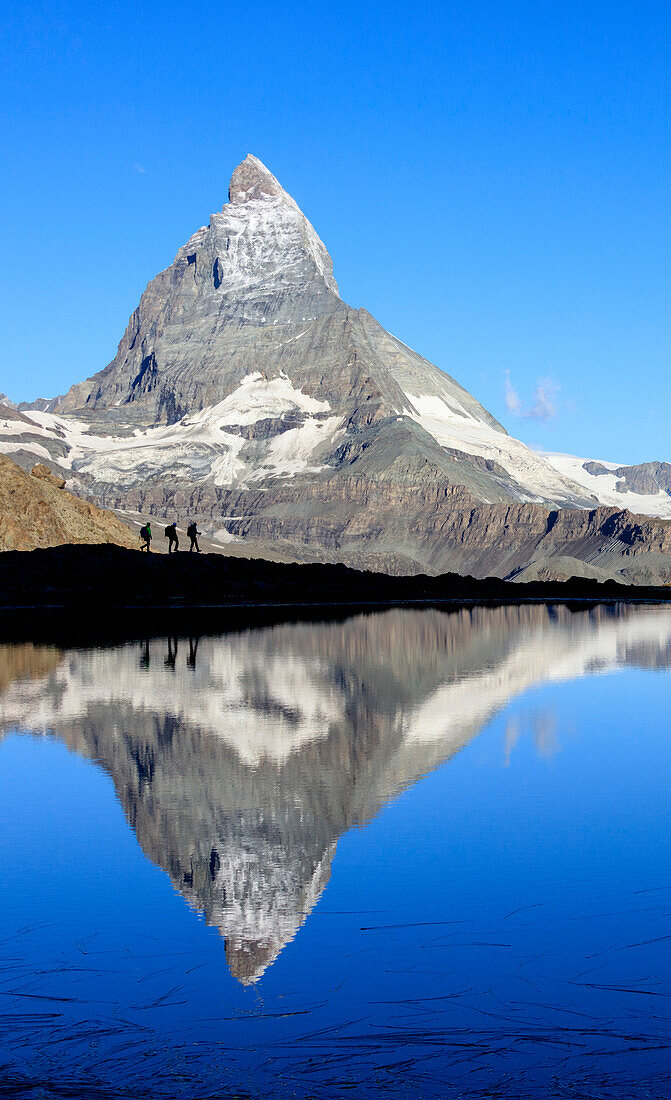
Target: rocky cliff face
(403, 522)
(241, 760)
(37, 510)
(207, 322)
(247, 394)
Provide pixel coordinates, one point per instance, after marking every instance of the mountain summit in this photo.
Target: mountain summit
(204, 322)
(253, 293)
(247, 393)
(251, 180)
(239, 295)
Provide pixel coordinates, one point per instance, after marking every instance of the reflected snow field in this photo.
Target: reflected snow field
(416, 852)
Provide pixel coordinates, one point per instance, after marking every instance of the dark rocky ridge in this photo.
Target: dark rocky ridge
(98, 580)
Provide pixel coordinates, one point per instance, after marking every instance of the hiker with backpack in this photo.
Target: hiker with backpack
(171, 535)
(193, 533)
(145, 536)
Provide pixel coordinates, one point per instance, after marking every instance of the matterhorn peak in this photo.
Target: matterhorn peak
(252, 180)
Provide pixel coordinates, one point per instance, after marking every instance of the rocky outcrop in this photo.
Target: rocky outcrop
(36, 510)
(645, 478)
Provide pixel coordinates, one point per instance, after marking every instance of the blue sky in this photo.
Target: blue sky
(491, 179)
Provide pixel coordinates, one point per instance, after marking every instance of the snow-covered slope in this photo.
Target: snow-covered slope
(609, 485)
(536, 471)
(208, 444)
(454, 429)
(201, 446)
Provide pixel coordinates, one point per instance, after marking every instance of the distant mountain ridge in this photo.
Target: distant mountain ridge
(246, 393)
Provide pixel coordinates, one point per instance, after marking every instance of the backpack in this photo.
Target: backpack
(168, 532)
(192, 530)
(144, 533)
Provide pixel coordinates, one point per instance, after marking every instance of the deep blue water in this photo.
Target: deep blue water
(413, 853)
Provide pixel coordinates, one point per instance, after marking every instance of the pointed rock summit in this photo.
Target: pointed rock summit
(252, 180)
(204, 323)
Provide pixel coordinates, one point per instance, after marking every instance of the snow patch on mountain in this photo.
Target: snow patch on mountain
(263, 243)
(266, 902)
(36, 449)
(257, 398)
(262, 221)
(198, 446)
(290, 453)
(452, 427)
(603, 486)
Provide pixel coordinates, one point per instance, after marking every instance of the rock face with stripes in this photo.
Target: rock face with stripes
(247, 394)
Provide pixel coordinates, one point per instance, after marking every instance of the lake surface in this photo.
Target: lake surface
(412, 853)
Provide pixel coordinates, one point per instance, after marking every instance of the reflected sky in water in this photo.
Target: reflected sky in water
(412, 852)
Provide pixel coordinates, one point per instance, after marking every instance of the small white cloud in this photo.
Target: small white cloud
(544, 406)
(513, 403)
(139, 168)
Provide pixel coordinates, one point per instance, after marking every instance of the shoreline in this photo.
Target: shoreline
(76, 592)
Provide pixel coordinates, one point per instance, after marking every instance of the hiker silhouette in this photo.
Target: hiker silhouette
(145, 536)
(193, 533)
(171, 535)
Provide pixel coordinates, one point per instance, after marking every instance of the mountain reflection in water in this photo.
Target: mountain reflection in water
(240, 760)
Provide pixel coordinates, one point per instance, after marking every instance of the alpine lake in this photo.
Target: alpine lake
(417, 853)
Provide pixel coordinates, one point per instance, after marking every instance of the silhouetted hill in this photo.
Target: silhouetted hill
(101, 584)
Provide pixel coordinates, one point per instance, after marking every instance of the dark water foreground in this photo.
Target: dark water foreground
(412, 853)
